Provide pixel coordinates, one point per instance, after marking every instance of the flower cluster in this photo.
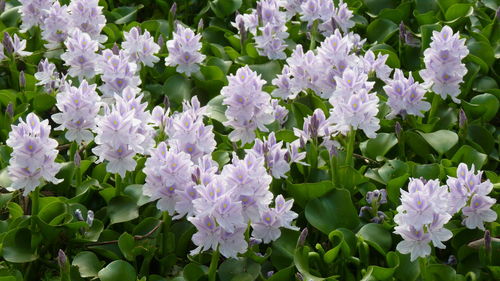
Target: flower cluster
(121, 134)
(56, 25)
(238, 196)
(79, 108)
(188, 133)
(33, 155)
(168, 178)
(249, 107)
(328, 16)
(86, 15)
(33, 12)
(184, 50)
(354, 107)
(80, 55)
(276, 158)
(140, 48)
(444, 70)
(421, 217)
(469, 194)
(405, 96)
(268, 26)
(117, 72)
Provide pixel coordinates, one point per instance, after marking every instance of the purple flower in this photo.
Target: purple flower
(140, 48)
(444, 71)
(56, 25)
(184, 51)
(47, 75)
(168, 176)
(80, 55)
(79, 108)
(33, 12)
(405, 96)
(249, 107)
(33, 156)
(118, 73)
(86, 15)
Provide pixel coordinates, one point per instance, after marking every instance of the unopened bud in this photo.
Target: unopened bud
(78, 215)
(254, 241)
(7, 43)
(2, 6)
(269, 274)
(299, 276)
(364, 210)
(402, 31)
(173, 10)
(243, 31)
(115, 49)
(383, 196)
(61, 258)
(10, 110)
(303, 236)
(398, 129)
(77, 159)
(452, 260)
(462, 118)
(166, 102)
(160, 41)
(22, 79)
(90, 218)
(487, 240)
(200, 26)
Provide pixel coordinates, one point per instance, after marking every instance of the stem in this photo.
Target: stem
(314, 30)
(35, 195)
(351, 137)
(118, 185)
(166, 226)
(436, 101)
(212, 271)
(334, 171)
(423, 267)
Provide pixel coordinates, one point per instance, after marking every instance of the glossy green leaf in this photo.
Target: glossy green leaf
(122, 209)
(118, 271)
(376, 236)
(17, 246)
(441, 140)
(88, 264)
(336, 202)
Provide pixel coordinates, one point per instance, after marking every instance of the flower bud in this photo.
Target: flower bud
(61, 258)
(462, 118)
(10, 110)
(398, 129)
(22, 79)
(487, 240)
(77, 159)
(78, 215)
(7, 43)
(160, 41)
(2, 6)
(90, 218)
(115, 49)
(166, 102)
(173, 10)
(303, 236)
(200, 26)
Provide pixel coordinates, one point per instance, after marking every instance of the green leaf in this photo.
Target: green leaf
(118, 271)
(283, 248)
(43, 102)
(379, 145)
(126, 243)
(384, 49)
(193, 272)
(488, 105)
(122, 209)
(375, 6)
(17, 246)
(441, 140)
(376, 236)
(337, 202)
(457, 11)
(304, 192)
(178, 89)
(131, 14)
(88, 264)
(380, 30)
(469, 155)
(427, 171)
(232, 269)
(268, 70)
(223, 8)
(216, 110)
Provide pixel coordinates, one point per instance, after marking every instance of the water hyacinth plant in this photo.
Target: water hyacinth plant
(249, 140)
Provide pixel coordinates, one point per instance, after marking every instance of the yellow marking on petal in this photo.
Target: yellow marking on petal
(30, 147)
(268, 219)
(76, 101)
(174, 165)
